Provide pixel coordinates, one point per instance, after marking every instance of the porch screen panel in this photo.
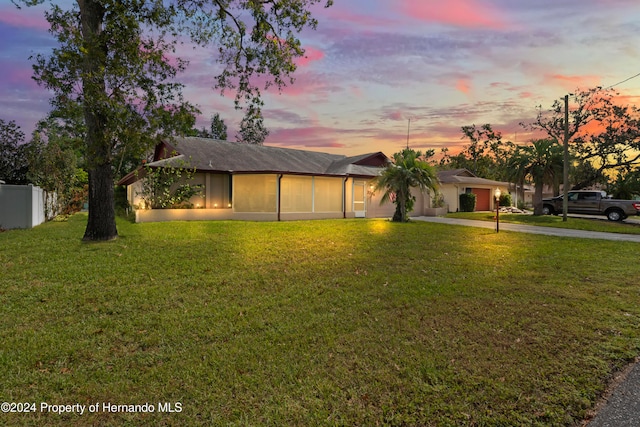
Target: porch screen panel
(296, 194)
(254, 193)
(328, 195)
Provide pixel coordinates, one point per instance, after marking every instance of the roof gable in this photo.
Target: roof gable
(465, 177)
(456, 173)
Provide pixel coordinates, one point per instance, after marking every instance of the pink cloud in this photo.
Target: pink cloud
(463, 86)
(572, 82)
(396, 116)
(20, 75)
(459, 13)
(317, 137)
(23, 19)
(341, 14)
(311, 54)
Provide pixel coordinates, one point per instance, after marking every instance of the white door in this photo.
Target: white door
(359, 197)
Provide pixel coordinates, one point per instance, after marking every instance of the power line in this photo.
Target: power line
(624, 81)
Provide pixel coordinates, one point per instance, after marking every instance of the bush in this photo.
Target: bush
(521, 205)
(438, 200)
(505, 199)
(169, 187)
(467, 202)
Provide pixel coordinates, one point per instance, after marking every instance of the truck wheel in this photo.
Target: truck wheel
(615, 215)
(547, 210)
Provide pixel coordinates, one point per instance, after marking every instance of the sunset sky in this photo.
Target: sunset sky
(374, 64)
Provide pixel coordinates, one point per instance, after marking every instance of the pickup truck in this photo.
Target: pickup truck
(592, 203)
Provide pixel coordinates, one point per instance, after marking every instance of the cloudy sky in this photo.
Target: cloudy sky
(373, 65)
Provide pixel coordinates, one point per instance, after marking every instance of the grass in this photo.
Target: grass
(587, 224)
(345, 322)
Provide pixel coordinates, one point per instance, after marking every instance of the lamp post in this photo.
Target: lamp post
(497, 195)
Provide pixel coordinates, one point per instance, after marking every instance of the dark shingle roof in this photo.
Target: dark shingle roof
(224, 156)
(464, 176)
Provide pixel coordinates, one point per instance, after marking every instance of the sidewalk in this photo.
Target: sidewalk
(621, 408)
(533, 229)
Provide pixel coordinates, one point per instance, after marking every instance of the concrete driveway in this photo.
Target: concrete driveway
(533, 229)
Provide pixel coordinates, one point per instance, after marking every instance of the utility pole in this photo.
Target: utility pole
(408, 130)
(565, 168)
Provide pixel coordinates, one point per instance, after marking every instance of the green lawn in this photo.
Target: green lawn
(341, 322)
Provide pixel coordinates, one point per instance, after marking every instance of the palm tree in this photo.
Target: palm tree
(397, 179)
(542, 161)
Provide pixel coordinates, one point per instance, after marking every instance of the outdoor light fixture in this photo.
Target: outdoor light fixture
(497, 195)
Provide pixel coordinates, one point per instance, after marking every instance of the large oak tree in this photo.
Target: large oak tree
(116, 58)
(603, 132)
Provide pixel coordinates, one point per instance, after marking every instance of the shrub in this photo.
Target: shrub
(169, 187)
(438, 200)
(505, 199)
(467, 202)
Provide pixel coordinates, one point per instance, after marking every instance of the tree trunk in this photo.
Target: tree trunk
(537, 197)
(102, 217)
(397, 215)
(400, 214)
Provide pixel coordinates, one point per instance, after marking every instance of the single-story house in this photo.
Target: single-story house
(454, 182)
(254, 182)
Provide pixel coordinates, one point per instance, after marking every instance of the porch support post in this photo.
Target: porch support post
(344, 197)
(279, 186)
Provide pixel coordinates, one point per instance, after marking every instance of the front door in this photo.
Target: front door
(359, 198)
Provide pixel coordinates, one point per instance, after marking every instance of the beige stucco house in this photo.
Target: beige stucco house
(253, 182)
(264, 183)
(454, 182)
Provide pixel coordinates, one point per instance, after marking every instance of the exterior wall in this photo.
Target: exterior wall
(422, 203)
(198, 179)
(374, 208)
(163, 215)
(21, 206)
(132, 194)
(451, 194)
(255, 198)
(386, 210)
(160, 215)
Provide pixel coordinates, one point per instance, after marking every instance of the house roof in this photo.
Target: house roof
(210, 155)
(465, 176)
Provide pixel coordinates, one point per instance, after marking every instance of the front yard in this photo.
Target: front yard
(337, 322)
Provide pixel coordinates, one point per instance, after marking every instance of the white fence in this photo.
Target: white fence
(21, 206)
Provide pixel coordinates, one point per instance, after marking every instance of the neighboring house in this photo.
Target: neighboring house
(253, 182)
(454, 182)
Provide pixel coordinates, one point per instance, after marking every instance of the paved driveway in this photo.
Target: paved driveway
(533, 229)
